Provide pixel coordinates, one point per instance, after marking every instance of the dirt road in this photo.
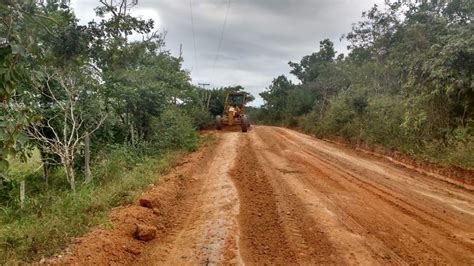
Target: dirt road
(276, 196)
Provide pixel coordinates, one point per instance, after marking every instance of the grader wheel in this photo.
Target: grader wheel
(245, 123)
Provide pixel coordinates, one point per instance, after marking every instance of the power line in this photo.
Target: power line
(222, 35)
(194, 35)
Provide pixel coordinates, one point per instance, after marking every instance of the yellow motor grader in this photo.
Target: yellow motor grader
(234, 105)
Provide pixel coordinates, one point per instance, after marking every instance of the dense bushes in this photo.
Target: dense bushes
(174, 130)
(406, 83)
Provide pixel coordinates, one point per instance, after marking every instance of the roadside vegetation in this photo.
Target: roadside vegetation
(406, 83)
(90, 115)
(51, 216)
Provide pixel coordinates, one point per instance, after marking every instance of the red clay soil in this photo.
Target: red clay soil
(262, 231)
(163, 208)
(276, 196)
(453, 174)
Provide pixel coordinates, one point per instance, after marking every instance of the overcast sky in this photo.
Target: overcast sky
(260, 36)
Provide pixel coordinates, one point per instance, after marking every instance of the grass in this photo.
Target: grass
(52, 217)
(20, 169)
(460, 154)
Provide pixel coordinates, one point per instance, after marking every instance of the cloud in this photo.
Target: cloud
(260, 37)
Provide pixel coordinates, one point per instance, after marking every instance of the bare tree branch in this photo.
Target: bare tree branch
(72, 123)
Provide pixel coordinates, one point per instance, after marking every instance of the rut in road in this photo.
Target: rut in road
(276, 196)
(371, 211)
(207, 233)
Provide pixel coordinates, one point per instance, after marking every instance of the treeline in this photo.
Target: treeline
(89, 114)
(62, 80)
(406, 83)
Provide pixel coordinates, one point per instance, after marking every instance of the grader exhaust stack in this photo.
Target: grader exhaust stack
(234, 105)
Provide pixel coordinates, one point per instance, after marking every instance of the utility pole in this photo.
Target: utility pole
(203, 85)
(206, 95)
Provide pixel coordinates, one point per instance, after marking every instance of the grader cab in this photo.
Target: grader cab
(234, 105)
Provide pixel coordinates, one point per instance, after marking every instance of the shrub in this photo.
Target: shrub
(201, 119)
(338, 117)
(174, 130)
(383, 119)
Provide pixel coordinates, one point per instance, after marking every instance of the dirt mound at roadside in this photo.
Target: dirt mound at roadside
(120, 244)
(151, 216)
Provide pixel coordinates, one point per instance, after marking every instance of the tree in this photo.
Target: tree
(11, 49)
(276, 97)
(67, 126)
(311, 65)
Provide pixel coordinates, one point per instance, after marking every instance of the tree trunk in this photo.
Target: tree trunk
(132, 135)
(44, 159)
(46, 172)
(87, 157)
(321, 112)
(68, 165)
(22, 194)
(73, 180)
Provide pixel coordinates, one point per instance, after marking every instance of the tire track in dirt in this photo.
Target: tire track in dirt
(171, 207)
(350, 160)
(391, 214)
(264, 192)
(193, 210)
(208, 234)
(425, 211)
(263, 239)
(331, 241)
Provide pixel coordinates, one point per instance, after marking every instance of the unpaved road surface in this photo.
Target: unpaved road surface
(276, 196)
